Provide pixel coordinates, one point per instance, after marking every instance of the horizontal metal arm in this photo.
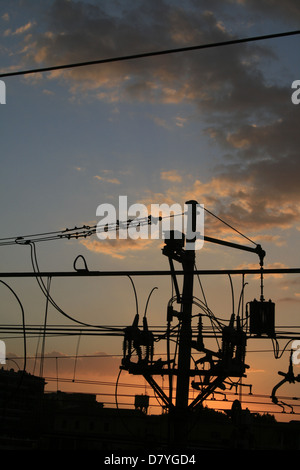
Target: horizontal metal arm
(257, 249)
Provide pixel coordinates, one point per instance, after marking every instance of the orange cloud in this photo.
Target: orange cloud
(107, 180)
(117, 248)
(171, 175)
(267, 266)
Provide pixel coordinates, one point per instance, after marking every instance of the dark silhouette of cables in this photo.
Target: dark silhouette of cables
(151, 54)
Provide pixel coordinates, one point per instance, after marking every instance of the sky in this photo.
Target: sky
(216, 125)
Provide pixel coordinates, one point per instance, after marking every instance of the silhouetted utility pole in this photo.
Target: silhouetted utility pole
(175, 251)
(181, 248)
(185, 337)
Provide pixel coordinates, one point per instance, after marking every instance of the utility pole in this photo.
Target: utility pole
(183, 251)
(185, 337)
(226, 362)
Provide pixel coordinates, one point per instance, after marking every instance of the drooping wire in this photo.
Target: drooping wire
(135, 294)
(204, 304)
(76, 357)
(232, 293)
(116, 389)
(19, 384)
(36, 353)
(201, 287)
(154, 288)
(23, 321)
(125, 422)
(208, 312)
(42, 285)
(44, 329)
(215, 322)
(276, 348)
(47, 293)
(241, 297)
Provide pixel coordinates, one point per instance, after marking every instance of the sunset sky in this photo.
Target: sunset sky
(215, 125)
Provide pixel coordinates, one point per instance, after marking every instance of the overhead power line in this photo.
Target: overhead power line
(152, 54)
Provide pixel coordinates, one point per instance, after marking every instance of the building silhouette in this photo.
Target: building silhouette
(36, 420)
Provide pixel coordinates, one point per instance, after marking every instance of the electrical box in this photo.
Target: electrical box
(262, 318)
(141, 402)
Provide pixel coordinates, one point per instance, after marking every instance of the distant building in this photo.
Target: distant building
(21, 397)
(33, 419)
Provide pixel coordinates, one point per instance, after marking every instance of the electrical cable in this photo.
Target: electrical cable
(19, 384)
(76, 356)
(36, 353)
(201, 287)
(44, 329)
(203, 305)
(241, 296)
(116, 388)
(125, 423)
(135, 294)
(232, 293)
(141, 386)
(23, 321)
(84, 262)
(230, 226)
(81, 232)
(46, 292)
(154, 288)
(276, 348)
(151, 54)
(208, 312)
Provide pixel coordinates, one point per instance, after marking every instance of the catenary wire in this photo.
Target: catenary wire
(152, 54)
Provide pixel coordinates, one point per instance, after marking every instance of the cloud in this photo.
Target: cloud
(21, 30)
(180, 121)
(81, 32)
(266, 266)
(160, 122)
(294, 281)
(117, 248)
(288, 11)
(294, 299)
(250, 119)
(248, 202)
(107, 180)
(259, 186)
(48, 92)
(171, 175)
